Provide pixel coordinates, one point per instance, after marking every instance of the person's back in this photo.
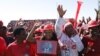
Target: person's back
(91, 46)
(92, 42)
(15, 49)
(2, 46)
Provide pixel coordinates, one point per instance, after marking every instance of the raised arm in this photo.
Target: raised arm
(30, 37)
(97, 12)
(83, 20)
(60, 21)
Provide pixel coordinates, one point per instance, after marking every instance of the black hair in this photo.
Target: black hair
(3, 30)
(10, 30)
(17, 31)
(3, 27)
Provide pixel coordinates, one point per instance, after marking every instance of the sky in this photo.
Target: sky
(44, 9)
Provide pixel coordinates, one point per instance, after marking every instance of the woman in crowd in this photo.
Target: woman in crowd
(48, 35)
(92, 40)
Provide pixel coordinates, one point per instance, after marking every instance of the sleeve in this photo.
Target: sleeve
(33, 49)
(58, 26)
(9, 51)
(2, 46)
(78, 42)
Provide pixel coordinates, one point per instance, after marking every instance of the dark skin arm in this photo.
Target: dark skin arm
(88, 19)
(83, 20)
(30, 37)
(60, 10)
(97, 12)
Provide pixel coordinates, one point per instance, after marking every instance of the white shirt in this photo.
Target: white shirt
(63, 39)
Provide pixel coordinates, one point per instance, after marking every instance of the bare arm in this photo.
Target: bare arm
(60, 21)
(30, 37)
(97, 12)
(60, 10)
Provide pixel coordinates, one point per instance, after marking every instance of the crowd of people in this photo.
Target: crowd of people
(28, 24)
(71, 40)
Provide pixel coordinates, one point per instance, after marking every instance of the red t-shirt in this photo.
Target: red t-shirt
(19, 50)
(2, 46)
(95, 46)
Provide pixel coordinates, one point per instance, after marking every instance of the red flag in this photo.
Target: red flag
(77, 12)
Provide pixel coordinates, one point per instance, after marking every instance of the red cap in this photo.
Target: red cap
(39, 30)
(72, 20)
(92, 23)
(49, 27)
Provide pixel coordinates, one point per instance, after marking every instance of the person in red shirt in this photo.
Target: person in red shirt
(49, 35)
(19, 46)
(38, 33)
(2, 46)
(2, 41)
(3, 33)
(22, 44)
(92, 41)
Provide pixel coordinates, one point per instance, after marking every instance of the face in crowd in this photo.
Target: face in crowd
(20, 34)
(69, 30)
(3, 31)
(38, 32)
(94, 28)
(48, 31)
(94, 31)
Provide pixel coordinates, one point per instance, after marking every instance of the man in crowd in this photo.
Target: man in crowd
(2, 46)
(68, 38)
(92, 41)
(22, 44)
(2, 42)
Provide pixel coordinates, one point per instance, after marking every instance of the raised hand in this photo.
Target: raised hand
(31, 35)
(83, 20)
(60, 10)
(89, 18)
(97, 12)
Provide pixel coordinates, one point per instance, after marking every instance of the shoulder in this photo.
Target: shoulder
(1, 39)
(12, 45)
